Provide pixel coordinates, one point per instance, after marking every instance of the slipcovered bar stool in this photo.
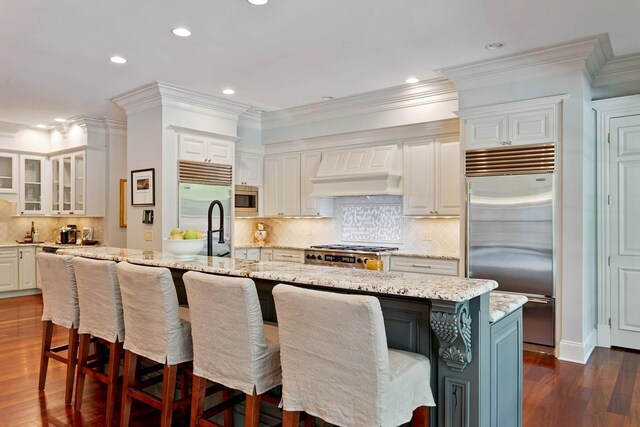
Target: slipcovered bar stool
(231, 345)
(60, 307)
(100, 317)
(157, 329)
(336, 364)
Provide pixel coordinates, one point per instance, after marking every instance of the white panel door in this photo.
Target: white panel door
(381, 158)
(309, 163)
(624, 178)
(355, 160)
(418, 177)
(291, 185)
(485, 132)
(27, 266)
(220, 152)
(448, 179)
(193, 148)
(532, 127)
(272, 188)
(8, 270)
(249, 170)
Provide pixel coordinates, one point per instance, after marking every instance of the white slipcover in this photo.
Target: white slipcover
(156, 327)
(99, 298)
(336, 364)
(59, 291)
(231, 344)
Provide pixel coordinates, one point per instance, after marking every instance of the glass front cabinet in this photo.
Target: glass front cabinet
(32, 172)
(8, 173)
(67, 184)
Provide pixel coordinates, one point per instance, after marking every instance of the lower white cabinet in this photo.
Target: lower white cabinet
(8, 269)
(27, 267)
(38, 277)
(288, 255)
(444, 267)
(266, 254)
(248, 253)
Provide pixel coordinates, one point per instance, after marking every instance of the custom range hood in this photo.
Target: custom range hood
(359, 172)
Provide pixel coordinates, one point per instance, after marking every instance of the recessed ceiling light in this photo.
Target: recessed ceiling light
(41, 126)
(494, 46)
(412, 80)
(60, 120)
(327, 98)
(181, 32)
(228, 91)
(117, 60)
(258, 2)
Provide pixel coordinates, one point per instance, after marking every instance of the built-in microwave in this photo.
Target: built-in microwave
(246, 200)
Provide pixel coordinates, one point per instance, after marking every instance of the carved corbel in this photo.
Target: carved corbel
(452, 326)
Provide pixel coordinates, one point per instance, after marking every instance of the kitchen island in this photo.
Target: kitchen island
(445, 318)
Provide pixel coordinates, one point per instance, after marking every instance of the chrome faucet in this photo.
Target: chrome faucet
(220, 229)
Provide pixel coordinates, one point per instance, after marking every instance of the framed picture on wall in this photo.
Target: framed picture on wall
(143, 187)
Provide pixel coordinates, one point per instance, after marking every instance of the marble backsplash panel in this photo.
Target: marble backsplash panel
(14, 228)
(361, 220)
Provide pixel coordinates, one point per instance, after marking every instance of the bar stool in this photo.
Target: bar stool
(157, 329)
(336, 364)
(60, 307)
(231, 345)
(100, 317)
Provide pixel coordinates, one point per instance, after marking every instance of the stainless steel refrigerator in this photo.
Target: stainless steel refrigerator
(510, 239)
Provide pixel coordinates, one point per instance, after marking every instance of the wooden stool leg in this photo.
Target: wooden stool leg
(72, 360)
(228, 413)
(421, 417)
(197, 399)
(115, 350)
(309, 421)
(128, 380)
(168, 394)
(252, 410)
(47, 333)
(83, 355)
(290, 418)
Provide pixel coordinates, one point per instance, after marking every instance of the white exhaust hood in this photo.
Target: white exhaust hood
(359, 172)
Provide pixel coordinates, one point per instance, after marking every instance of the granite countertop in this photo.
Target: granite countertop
(421, 254)
(501, 304)
(435, 287)
(42, 244)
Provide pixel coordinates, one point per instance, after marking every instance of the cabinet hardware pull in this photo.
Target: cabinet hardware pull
(20, 254)
(538, 300)
(420, 266)
(287, 256)
(436, 212)
(508, 142)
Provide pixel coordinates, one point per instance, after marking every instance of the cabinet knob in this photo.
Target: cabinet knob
(508, 142)
(436, 212)
(430, 211)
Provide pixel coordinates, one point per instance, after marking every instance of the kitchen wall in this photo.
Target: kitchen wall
(14, 228)
(360, 220)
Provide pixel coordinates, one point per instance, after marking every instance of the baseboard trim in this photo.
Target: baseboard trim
(576, 352)
(22, 293)
(604, 335)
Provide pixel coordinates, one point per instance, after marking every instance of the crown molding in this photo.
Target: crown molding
(588, 55)
(250, 119)
(439, 128)
(160, 94)
(621, 69)
(180, 129)
(404, 96)
(115, 127)
(10, 129)
(515, 106)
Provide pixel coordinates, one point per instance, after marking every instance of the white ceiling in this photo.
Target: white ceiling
(54, 54)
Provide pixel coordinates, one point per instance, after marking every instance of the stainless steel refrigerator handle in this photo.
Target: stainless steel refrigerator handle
(538, 301)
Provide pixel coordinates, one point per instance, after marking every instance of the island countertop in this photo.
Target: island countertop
(416, 285)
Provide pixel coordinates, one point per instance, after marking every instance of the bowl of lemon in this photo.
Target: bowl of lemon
(185, 245)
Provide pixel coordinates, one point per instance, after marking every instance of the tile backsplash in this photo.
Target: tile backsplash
(361, 220)
(14, 228)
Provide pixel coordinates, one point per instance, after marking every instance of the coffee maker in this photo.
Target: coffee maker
(69, 234)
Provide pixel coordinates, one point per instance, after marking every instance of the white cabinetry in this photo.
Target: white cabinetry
(432, 178)
(518, 123)
(247, 253)
(266, 254)
(249, 169)
(27, 267)
(70, 175)
(8, 269)
(424, 265)
(288, 187)
(282, 185)
(288, 255)
(205, 149)
(8, 173)
(33, 187)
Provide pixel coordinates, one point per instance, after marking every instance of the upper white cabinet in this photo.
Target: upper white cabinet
(518, 123)
(288, 187)
(70, 175)
(431, 177)
(249, 169)
(32, 191)
(205, 149)
(8, 173)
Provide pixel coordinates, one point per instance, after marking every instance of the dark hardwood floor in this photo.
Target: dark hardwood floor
(605, 392)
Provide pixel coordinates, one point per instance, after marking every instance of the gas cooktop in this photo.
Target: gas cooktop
(354, 248)
(354, 256)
